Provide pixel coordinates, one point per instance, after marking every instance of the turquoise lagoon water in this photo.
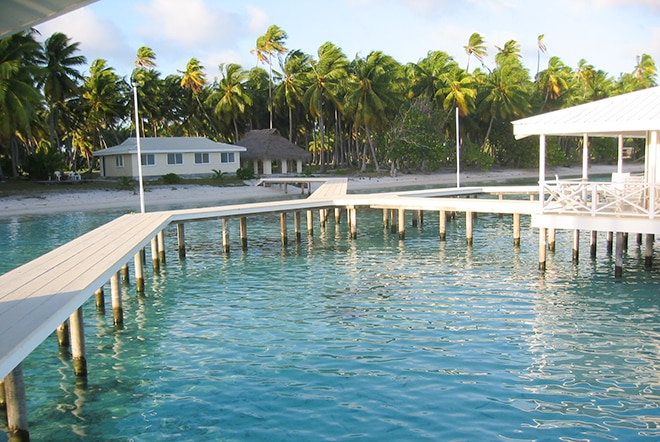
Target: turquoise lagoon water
(371, 339)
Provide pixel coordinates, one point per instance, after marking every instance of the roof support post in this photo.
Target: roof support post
(585, 157)
(619, 161)
(542, 170)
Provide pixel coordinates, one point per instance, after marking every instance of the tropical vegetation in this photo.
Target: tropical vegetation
(370, 113)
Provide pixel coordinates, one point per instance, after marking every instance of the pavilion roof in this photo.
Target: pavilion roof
(630, 115)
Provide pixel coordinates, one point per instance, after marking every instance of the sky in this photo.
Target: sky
(608, 34)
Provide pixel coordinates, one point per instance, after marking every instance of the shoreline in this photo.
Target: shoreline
(191, 195)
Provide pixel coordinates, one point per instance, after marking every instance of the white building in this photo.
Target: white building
(183, 156)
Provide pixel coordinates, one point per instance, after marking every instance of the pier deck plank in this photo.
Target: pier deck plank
(41, 294)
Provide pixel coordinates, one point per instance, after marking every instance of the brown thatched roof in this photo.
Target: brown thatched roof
(269, 144)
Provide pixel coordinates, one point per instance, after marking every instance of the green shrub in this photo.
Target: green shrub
(244, 173)
(125, 183)
(171, 178)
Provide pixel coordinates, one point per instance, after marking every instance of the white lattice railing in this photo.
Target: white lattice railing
(600, 198)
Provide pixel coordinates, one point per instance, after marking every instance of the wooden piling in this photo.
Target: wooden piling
(181, 240)
(3, 398)
(242, 224)
(78, 343)
(225, 236)
(516, 230)
(393, 222)
(100, 300)
(552, 239)
(402, 224)
(125, 278)
(138, 263)
(576, 245)
(542, 245)
(415, 218)
(442, 215)
(640, 239)
(337, 215)
(353, 223)
(161, 247)
(63, 335)
(618, 255)
(296, 224)
(593, 244)
(154, 254)
(469, 234)
(310, 223)
(386, 218)
(322, 217)
(283, 234)
(625, 240)
(115, 294)
(420, 217)
(610, 240)
(648, 251)
(17, 415)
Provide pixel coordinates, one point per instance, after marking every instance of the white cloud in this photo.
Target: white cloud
(258, 20)
(187, 26)
(97, 36)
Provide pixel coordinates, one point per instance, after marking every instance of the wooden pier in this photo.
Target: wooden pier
(43, 294)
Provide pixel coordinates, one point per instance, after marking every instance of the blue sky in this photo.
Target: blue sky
(609, 34)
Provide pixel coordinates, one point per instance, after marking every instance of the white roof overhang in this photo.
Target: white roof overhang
(631, 115)
(18, 15)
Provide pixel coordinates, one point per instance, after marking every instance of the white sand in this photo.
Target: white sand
(163, 197)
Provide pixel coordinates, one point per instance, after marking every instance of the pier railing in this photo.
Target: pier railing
(629, 198)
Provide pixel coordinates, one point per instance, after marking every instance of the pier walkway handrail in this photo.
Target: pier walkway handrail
(601, 198)
(40, 295)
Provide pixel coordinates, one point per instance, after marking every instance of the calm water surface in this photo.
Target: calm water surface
(372, 339)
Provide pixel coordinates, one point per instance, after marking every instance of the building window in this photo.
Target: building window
(202, 158)
(174, 158)
(119, 161)
(148, 159)
(227, 157)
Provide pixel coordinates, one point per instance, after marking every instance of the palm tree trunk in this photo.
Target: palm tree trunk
(372, 147)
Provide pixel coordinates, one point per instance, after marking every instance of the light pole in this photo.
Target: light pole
(458, 152)
(139, 150)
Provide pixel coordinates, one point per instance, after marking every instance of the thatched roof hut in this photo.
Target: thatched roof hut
(266, 146)
(269, 144)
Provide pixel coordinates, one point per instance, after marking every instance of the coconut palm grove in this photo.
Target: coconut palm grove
(369, 114)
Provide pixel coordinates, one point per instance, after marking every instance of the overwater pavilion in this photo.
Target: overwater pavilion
(627, 203)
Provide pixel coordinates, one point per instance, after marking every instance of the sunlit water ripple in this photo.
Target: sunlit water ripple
(374, 339)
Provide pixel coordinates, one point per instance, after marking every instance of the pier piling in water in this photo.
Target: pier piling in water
(16, 405)
(63, 339)
(283, 233)
(310, 222)
(542, 250)
(138, 263)
(78, 343)
(242, 227)
(648, 251)
(154, 254)
(99, 298)
(516, 230)
(115, 294)
(181, 240)
(442, 222)
(296, 225)
(402, 224)
(576, 245)
(469, 233)
(618, 255)
(225, 236)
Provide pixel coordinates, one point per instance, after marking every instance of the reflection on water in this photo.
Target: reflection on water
(373, 339)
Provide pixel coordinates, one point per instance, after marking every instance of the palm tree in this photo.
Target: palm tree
(289, 91)
(194, 80)
(554, 80)
(376, 88)
(327, 74)
(19, 98)
(146, 58)
(150, 95)
(429, 75)
(459, 91)
(269, 44)
(476, 46)
(102, 105)
(60, 78)
(511, 49)
(504, 95)
(230, 95)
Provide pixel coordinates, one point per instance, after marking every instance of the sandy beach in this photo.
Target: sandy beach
(190, 195)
